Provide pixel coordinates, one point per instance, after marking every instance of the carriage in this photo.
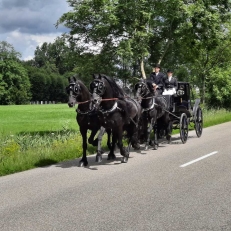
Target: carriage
(184, 111)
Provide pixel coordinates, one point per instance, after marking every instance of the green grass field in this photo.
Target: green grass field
(39, 135)
(36, 118)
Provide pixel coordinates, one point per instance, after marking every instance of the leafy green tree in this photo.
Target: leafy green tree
(7, 52)
(219, 88)
(111, 23)
(58, 57)
(14, 81)
(137, 29)
(46, 85)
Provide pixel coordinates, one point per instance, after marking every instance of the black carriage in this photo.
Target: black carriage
(184, 111)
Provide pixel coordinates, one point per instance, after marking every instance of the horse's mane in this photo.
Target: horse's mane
(82, 84)
(117, 91)
(150, 87)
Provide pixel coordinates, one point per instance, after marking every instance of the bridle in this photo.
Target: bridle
(74, 90)
(98, 87)
(143, 90)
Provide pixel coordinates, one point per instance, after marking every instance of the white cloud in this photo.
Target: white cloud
(27, 43)
(26, 24)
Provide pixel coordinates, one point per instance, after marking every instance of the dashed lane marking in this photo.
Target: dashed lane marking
(198, 159)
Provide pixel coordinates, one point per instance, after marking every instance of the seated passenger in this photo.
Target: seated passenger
(170, 84)
(157, 77)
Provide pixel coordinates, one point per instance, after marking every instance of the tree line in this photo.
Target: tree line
(123, 39)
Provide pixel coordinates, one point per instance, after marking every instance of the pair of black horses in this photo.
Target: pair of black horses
(106, 108)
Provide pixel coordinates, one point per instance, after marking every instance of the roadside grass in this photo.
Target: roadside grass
(40, 135)
(213, 117)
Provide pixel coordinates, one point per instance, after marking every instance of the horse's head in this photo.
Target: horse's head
(141, 89)
(97, 89)
(73, 90)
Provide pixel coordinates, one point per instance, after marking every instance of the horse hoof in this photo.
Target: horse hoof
(98, 159)
(169, 138)
(111, 157)
(146, 147)
(155, 147)
(83, 163)
(124, 159)
(136, 146)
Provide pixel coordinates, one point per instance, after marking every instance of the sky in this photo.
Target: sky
(25, 24)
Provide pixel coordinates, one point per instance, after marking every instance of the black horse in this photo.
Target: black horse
(154, 113)
(86, 118)
(116, 112)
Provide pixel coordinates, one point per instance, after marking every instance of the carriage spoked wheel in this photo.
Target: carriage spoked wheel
(183, 128)
(198, 122)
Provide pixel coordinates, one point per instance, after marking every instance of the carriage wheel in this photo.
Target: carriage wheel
(183, 128)
(198, 122)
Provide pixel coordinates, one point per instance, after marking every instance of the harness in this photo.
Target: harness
(151, 107)
(114, 107)
(84, 112)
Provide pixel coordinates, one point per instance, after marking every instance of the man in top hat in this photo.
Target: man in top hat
(170, 83)
(157, 78)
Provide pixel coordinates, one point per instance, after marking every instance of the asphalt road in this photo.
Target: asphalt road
(168, 189)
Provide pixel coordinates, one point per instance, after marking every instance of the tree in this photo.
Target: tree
(111, 23)
(15, 85)
(219, 88)
(7, 52)
(14, 81)
(136, 29)
(58, 57)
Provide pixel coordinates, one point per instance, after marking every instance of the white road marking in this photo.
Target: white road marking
(198, 159)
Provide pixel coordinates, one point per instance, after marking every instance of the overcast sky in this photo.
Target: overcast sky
(26, 24)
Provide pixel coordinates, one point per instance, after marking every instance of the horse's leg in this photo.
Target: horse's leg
(123, 151)
(83, 161)
(149, 133)
(91, 138)
(109, 139)
(169, 131)
(111, 155)
(155, 136)
(99, 151)
(134, 135)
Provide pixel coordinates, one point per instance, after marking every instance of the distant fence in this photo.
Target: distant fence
(42, 102)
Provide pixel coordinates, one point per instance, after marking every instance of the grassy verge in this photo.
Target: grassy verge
(214, 117)
(39, 135)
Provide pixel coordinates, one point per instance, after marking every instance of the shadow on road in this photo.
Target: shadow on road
(92, 165)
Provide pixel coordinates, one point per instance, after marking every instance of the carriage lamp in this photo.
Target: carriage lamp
(180, 92)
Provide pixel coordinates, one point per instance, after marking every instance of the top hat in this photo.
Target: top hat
(157, 65)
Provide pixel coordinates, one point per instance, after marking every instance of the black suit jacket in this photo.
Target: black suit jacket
(157, 79)
(170, 84)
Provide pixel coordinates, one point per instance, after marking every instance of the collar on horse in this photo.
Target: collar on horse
(151, 107)
(84, 112)
(114, 107)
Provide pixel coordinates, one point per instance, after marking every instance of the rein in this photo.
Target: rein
(101, 100)
(83, 102)
(109, 99)
(148, 97)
